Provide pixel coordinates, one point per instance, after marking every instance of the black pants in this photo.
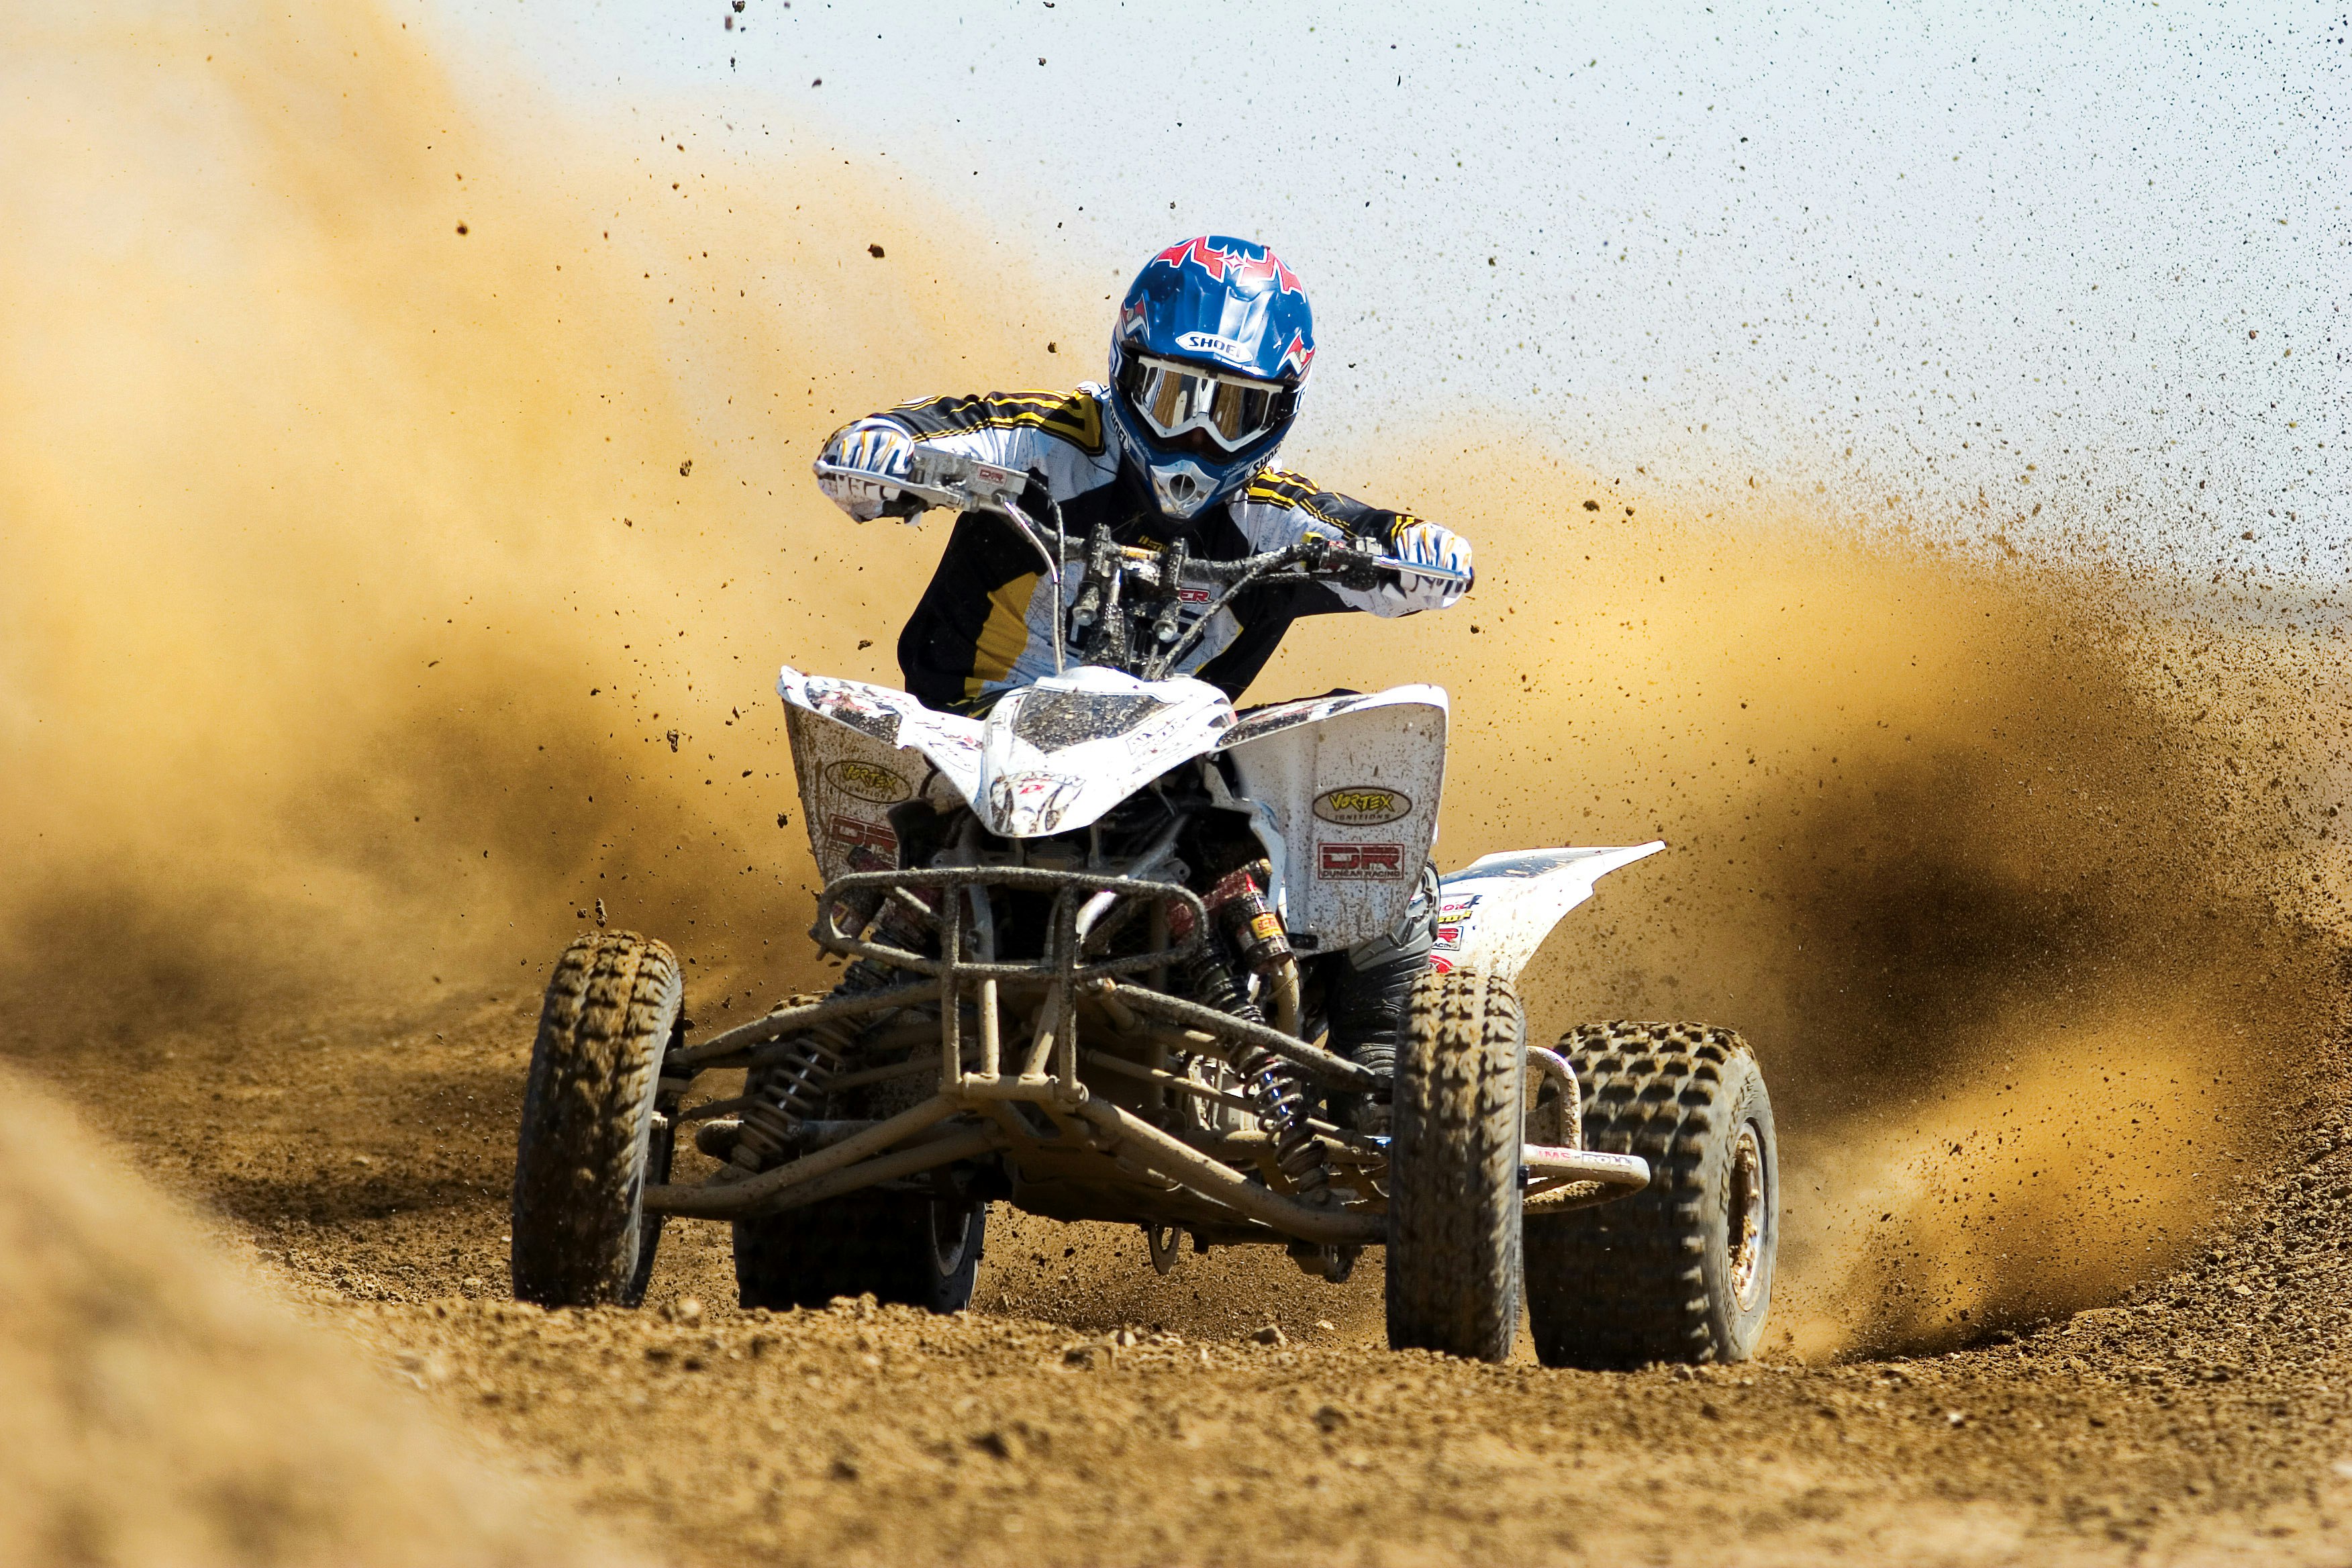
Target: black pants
(1368, 985)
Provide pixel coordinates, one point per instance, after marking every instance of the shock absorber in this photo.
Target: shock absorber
(790, 1088)
(1282, 1112)
(1238, 904)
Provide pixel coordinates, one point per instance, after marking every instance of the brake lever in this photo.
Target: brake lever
(930, 495)
(1363, 570)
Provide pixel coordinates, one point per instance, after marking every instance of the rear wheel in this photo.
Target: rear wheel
(1683, 1270)
(901, 1247)
(1454, 1257)
(589, 1144)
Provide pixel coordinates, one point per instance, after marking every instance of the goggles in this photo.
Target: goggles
(1194, 410)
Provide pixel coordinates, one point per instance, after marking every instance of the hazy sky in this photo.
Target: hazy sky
(2109, 242)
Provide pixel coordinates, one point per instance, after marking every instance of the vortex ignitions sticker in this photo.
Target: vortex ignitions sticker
(867, 780)
(1362, 806)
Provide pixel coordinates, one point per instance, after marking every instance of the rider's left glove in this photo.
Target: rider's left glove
(1422, 543)
(873, 449)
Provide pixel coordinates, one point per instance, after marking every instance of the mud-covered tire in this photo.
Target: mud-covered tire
(902, 1247)
(588, 1144)
(1683, 1270)
(1453, 1168)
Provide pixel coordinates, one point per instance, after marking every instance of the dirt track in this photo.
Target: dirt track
(2209, 1414)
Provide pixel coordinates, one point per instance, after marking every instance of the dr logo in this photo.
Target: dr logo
(855, 834)
(1360, 862)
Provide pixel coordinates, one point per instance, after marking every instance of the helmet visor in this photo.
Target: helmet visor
(1192, 409)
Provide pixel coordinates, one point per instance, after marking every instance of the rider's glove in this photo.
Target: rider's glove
(874, 449)
(1425, 545)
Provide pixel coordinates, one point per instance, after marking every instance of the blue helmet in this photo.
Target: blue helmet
(1212, 345)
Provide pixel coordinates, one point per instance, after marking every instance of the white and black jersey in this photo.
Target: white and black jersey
(983, 627)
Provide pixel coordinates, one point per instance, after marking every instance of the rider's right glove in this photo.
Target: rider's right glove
(1419, 543)
(874, 448)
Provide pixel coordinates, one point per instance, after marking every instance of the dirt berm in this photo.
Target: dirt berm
(161, 1410)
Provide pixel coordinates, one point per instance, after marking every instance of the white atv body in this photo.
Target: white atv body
(1344, 791)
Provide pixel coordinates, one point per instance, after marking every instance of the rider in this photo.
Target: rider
(1207, 363)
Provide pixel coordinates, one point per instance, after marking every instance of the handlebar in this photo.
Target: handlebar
(966, 484)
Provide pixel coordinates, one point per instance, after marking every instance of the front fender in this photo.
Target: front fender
(1496, 912)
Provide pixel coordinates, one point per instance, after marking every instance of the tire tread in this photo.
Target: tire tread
(587, 1144)
(1624, 1283)
(1453, 1253)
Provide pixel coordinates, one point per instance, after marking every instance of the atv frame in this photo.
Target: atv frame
(1077, 1104)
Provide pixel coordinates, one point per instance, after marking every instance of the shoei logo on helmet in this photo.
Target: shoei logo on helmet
(1203, 252)
(1209, 344)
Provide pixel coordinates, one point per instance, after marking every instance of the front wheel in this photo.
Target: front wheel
(588, 1142)
(1681, 1271)
(905, 1247)
(1453, 1168)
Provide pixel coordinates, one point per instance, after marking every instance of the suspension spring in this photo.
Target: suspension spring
(1281, 1107)
(791, 1089)
(787, 1091)
(1282, 1112)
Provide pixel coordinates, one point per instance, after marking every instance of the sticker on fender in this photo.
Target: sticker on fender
(849, 830)
(1360, 862)
(1453, 917)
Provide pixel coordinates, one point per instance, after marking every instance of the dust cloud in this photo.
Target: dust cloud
(2025, 893)
(401, 530)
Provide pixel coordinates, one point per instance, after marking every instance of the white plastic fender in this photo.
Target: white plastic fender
(1348, 786)
(860, 749)
(1495, 913)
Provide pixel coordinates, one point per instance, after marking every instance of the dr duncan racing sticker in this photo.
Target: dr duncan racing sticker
(1360, 862)
(856, 832)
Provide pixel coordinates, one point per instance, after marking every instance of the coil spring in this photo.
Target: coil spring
(1282, 1112)
(1281, 1106)
(790, 1088)
(787, 1091)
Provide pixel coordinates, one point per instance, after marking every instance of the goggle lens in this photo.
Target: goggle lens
(1174, 400)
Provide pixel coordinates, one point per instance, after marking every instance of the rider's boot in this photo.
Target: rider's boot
(1366, 999)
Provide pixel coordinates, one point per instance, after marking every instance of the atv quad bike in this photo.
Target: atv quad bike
(1090, 938)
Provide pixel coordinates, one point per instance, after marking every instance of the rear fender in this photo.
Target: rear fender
(1346, 789)
(1495, 913)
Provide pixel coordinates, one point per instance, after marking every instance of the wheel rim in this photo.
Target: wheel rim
(1744, 1221)
(951, 1234)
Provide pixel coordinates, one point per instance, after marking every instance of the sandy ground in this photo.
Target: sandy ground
(1113, 1416)
(161, 1408)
